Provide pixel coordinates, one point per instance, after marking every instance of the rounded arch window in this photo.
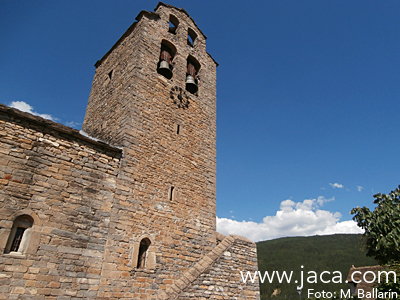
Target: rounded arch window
(142, 256)
(18, 237)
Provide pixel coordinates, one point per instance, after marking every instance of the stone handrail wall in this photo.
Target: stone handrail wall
(205, 264)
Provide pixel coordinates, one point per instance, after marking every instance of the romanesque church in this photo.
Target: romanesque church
(126, 207)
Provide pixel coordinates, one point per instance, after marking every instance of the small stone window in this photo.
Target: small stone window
(19, 235)
(108, 78)
(173, 24)
(143, 249)
(165, 66)
(191, 37)
(171, 194)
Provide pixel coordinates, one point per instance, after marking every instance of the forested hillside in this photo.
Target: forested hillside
(316, 253)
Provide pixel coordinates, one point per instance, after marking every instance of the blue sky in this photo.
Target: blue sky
(308, 97)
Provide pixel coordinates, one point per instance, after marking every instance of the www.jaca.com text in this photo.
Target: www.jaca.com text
(314, 277)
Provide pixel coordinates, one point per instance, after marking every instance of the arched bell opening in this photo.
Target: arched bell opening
(173, 24)
(193, 67)
(191, 37)
(167, 54)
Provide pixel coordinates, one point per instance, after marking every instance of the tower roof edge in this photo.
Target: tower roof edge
(182, 10)
(150, 14)
(186, 13)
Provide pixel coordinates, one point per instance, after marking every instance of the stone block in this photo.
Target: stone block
(19, 269)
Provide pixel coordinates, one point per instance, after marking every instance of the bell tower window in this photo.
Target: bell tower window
(191, 37)
(173, 24)
(167, 54)
(193, 67)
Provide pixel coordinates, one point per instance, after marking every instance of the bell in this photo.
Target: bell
(191, 85)
(164, 69)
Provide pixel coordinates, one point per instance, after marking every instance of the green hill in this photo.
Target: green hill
(316, 253)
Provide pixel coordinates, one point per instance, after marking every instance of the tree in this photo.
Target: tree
(382, 227)
(382, 232)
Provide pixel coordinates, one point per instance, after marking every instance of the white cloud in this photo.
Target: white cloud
(293, 219)
(359, 188)
(336, 185)
(73, 124)
(25, 107)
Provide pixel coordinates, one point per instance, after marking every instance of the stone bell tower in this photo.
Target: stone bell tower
(154, 95)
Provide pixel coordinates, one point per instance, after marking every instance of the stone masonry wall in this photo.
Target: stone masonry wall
(66, 183)
(217, 275)
(222, 279)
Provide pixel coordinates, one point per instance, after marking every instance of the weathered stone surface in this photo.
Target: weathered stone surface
(146, 177)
